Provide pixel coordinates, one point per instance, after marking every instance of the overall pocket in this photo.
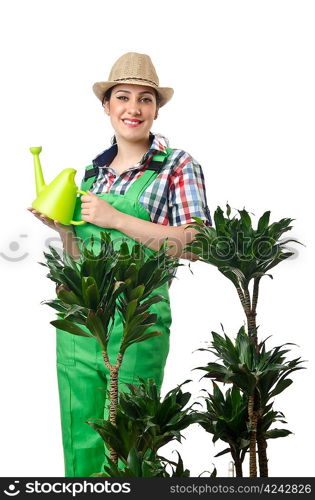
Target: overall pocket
(65, 348)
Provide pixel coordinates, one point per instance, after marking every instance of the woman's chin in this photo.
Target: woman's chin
(133, 135)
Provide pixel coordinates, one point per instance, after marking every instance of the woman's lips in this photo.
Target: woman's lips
(132, 123)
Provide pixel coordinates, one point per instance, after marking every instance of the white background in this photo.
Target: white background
(243, 74)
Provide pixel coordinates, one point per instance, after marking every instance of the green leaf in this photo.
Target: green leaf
(134, 462)
(199, 221)
(72, 280)
(219, 221)
(131, 308)
(126, 342)
(69, 297)
(281, 386)
(227, 450)
(263, 222)
(90, 292)
(68, 326)
(148, 303)
(57, 305)
(276, 433)
(97, 328)
(137, 292)
(245, 219)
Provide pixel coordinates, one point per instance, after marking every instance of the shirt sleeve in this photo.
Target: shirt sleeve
(187, 194)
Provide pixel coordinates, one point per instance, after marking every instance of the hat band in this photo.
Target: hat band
(133, 78)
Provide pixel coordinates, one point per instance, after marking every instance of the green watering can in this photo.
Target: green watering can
(57, 200)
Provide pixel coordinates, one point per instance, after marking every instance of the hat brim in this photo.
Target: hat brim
(99, 89)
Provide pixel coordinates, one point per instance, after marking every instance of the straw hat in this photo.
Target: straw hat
(136, 69)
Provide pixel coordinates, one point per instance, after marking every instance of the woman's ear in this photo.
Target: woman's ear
(106, 107)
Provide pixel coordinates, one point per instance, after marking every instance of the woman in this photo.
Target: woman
(132, 195)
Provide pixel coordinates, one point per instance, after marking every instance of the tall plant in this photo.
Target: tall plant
(261, 373)
(244, 255)
(92, 289)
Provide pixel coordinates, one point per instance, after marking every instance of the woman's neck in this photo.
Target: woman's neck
(131, 152)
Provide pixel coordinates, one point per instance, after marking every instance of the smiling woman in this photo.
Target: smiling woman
(138, 189)
(130, 107)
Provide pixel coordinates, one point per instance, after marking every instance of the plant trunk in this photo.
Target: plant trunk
(113, 396)
(237, 461)
(255, 294)
(238, 464)
(250, 307)
(251, 325)
(242, 298)
(262, 456)
(252, 442)
(238, 467)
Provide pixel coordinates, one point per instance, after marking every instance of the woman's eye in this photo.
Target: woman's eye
(143, 99)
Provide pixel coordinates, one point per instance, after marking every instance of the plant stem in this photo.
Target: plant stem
(261, 441)
(113, 395)
(255, 294)
(251, 317)
(237, 462)
(241, 297)
(238, 467)
(247, 301)
(252, 442)
(251, 325)
(262, 455)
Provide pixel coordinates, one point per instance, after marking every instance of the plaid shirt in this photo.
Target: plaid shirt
(174, 197)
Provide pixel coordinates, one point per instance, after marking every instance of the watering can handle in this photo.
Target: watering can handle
(78, 222)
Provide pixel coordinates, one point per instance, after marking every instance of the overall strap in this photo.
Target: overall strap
(90, 175)
(156, 164)
(136, 189)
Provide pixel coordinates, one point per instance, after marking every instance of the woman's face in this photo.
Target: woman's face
(132, 110)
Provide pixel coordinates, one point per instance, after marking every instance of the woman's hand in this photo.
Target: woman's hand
(98, 211)
(53, 224)
(66, 233)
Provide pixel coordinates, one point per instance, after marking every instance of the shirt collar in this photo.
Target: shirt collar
(158, 144)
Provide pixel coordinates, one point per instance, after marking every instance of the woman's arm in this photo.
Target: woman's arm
(153, 235)
(97, 211)
(70, 242)
(67, 235)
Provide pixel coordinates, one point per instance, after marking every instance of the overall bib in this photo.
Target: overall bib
(83, 378)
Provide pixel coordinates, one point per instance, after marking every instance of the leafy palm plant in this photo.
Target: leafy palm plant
(92, 289)
(244, 255)
(226, 419)
(144, 420)
(259, 374)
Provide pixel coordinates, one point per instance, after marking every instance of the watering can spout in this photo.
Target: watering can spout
(39, 178)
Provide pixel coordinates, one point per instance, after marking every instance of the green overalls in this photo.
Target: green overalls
(82, 375)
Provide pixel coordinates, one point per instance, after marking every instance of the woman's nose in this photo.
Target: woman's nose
(134, 108)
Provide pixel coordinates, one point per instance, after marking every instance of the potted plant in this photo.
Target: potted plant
(91, 289)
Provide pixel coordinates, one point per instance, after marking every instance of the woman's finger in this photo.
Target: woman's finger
(85, 198)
